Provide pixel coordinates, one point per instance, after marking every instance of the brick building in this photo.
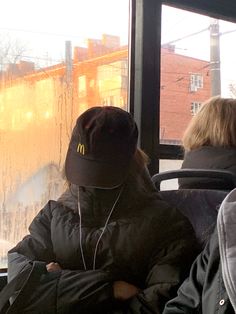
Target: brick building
(185, 84)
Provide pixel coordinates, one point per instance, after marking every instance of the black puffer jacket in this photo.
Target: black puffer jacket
(211, 286)
(145, 242)
(208, 157)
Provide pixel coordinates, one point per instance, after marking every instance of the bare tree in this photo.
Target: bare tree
(11, 50)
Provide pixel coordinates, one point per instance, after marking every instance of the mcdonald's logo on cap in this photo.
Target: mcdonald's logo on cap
(81, 149)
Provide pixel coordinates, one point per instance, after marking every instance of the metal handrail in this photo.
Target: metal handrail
(194, 173)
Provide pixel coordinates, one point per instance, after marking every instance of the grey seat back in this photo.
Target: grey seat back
(199, 206)
(3, 280)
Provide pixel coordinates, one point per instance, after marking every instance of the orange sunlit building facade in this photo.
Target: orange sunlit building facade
(98, 75)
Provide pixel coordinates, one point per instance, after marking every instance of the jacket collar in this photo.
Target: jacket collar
(226, 225)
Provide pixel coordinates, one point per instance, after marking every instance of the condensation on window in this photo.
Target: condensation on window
(51, 70)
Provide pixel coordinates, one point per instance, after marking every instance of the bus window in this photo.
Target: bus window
(167, 165)
(197, 58)
(56, 60)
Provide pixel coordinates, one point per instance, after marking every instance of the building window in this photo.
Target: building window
(82, 90)
(195, 106)
(196, 82)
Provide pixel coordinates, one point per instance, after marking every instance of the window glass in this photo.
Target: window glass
(195, 106)
(197, 62)
(167, 165)
(57, 59)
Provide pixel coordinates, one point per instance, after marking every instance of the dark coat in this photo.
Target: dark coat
(211, 286)
(208, 157)
(146, 243)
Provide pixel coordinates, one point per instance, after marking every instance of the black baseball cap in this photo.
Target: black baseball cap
(102, 145)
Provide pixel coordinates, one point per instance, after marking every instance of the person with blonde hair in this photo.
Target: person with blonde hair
(114, 244)
(210, 142)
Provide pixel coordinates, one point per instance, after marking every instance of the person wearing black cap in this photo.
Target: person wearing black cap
(102, 145)
(118, 246)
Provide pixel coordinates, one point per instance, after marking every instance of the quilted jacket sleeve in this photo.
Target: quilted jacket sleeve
(169, 266)
(189, 298)
(80, 287)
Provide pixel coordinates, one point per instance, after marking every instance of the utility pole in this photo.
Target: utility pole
(69, 109)
(69, 63)
(215, 58)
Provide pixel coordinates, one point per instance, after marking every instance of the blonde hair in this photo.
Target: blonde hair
(213, 125)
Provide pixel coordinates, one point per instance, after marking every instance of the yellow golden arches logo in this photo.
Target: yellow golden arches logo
(81, 149)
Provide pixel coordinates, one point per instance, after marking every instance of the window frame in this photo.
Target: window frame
(144, 88)
(195, 106)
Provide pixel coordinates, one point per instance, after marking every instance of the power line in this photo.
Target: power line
(186, 36)
(196, 33)
(228, 32)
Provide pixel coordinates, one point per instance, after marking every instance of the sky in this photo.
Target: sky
(44, 26)
(76, 17)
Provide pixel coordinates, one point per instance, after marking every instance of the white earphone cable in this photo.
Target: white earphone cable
(103, 230)
(80, 234)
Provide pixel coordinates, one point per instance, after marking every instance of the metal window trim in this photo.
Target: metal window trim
(144, 74)
(219, 9)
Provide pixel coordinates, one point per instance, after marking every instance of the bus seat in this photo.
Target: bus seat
(199, 206)
(3, 280)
